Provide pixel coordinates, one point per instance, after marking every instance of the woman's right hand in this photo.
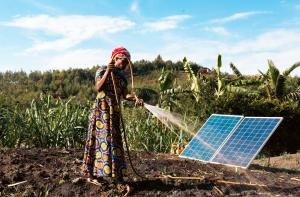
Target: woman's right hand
(110, 66)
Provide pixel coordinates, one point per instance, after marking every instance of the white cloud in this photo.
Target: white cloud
(237, 16)
(218, 30)
(79, 58)
(249, 55)
(166, 23)
(142, 55)
(134, 7)
(73, 29)
(276, 40)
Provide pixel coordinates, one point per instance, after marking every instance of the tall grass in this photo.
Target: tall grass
(47, 122)
(50, 122)
(146, 132)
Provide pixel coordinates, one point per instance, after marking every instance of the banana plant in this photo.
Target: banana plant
(275, 82)
(241, 84)
(233, 85)
(220, 81)
(293, 96)
(193, 79)
(236, 71)
(166, 80)
(168, 91)
(149, 95)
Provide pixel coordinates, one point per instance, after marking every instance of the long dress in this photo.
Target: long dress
(103, 152)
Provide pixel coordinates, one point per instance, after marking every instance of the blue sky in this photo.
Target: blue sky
(62, 34)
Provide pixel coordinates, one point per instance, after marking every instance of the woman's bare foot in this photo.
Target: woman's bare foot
(96, 181)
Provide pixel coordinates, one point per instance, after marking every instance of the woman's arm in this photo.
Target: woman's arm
(132, 97)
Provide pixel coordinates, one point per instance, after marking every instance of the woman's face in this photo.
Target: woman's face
(121, 62)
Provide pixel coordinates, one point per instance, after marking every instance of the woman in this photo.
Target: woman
(104, 153)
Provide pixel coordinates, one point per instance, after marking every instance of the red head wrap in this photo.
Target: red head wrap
(121, 52)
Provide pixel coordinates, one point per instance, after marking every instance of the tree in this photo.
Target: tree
(159, 62)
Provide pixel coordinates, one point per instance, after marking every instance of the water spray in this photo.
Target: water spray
(125, 136)
(172, 118)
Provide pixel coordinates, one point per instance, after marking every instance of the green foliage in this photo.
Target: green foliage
(149, 95)
(293, 96)
(289, 70)
(12, 125)
(166, 80)
(236, 71)
(273, 74)
(279, 88)
(220, 80)
(145, 132)
(193, 79)
(229, 84)
(48, 122)
(22, 87)
(60, 120)
(167, 93)
(275, 83)
(285, 138)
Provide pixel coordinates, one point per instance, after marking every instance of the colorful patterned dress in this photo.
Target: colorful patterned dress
(104, 153)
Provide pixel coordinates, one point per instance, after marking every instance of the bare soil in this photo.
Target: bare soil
(288, 161)
(56, 172)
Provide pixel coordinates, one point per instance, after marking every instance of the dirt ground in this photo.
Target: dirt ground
(56, 172)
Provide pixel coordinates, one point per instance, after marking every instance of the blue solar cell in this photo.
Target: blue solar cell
(246, 141)
(211, 135)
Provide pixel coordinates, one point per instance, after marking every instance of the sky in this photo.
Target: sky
(61, 34)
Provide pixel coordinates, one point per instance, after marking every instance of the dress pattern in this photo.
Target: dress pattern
(103, 152)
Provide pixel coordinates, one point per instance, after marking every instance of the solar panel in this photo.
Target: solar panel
(246, 141)
(210, 136)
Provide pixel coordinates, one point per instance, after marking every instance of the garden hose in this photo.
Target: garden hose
(240, 183)
(163, 177)
(125, 136)
(127, 147)
(121, 117)
(123, 126)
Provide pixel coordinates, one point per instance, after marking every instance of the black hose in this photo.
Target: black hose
(124, 130)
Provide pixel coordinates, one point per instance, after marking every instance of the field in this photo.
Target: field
(44, 120)
(56, 172)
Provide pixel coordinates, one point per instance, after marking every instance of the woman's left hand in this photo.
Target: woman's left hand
(139, 101)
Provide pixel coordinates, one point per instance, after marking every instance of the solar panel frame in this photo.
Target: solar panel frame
(203, 126)
(258, 150)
